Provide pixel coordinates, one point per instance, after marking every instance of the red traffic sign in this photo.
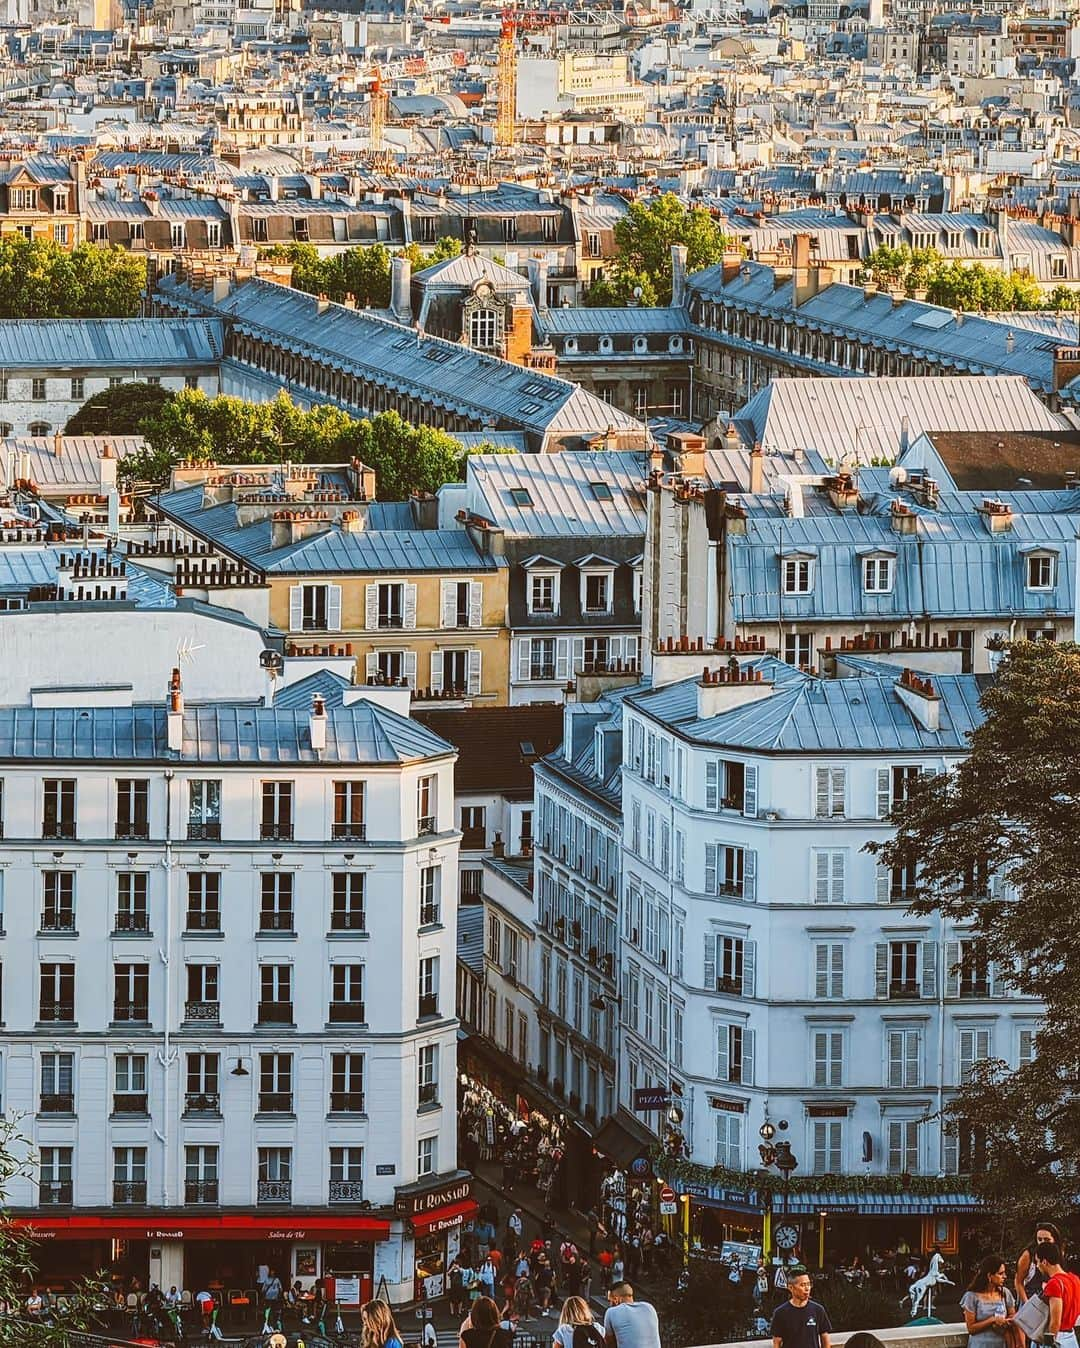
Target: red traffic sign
(667, 1194)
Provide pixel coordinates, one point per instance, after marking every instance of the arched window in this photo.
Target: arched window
(483, 329)
(39, 428)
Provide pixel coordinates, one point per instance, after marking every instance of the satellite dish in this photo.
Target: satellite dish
(897, 477)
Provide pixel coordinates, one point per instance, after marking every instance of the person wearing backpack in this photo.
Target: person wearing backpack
(577, 1328)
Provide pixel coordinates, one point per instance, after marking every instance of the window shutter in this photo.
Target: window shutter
(952, 1156)
(881, 969)
(476, 603)
(997, 981)
(630, 650)
(296, 608)
(839, 877)
(524, 662)
(749, 968)
(712, 785)
(723, 1053)
(371, 665)
(750, 791)
(821, 877)
(409, 607)
(371, 606)
(895, 1075)
(821, 1060)
(615, 650)
(884, 794)
(449, 603)
(749, 876)
(562, 658)
(967, 1053)
(821, 793)
(579, 654)
(821, 970)
(710, 961)
(884, 881)
(409, 664)
(712, 867)
(746, 1076)
(436, 672)
(929, 968)
(952, 968)
(333, 608)
(836, 967)
(838, 787)
(912, 1051)
(474, 673)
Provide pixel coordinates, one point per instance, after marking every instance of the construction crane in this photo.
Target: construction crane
(380, 97)
(506, 108)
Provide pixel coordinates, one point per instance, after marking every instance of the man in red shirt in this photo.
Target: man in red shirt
(1062, 1292)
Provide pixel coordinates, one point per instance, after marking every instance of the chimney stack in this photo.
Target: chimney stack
(679, 254)
(317, 723)
(174, 718)
(757, 469)
(58, 445)
(400, 289)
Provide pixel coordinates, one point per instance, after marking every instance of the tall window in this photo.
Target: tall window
(275, 1175)
(57, 993)
(57, 1083)
(729, 1140)
(201, 1174)
(349, 800)
(132, 808)
(129, 1175)
(275, 994)
(132, 911)
(275, 1083)
(131, 995)
(204, 810)
(203, 901)
(483, 329)
(426, 1156)
(428, 987)
(346, 1175)
(58, 808)
(430, 877)
(828, 1138)
(58, 901)
(277, 811)
(426, 804)
(129, 1095)
(276, 908)
(902, 1149)
(201, 1084)
(347, 1083)
(202, 993)
(347, 912)
(427, 1075)
(54, 1176)
(347, 994)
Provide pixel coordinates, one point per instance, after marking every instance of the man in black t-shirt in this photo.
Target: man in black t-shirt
(800, 1322)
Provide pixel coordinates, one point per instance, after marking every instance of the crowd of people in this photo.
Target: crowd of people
(530, 1147)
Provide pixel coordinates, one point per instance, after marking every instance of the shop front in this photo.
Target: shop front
(834, 1226)
(433, 1216)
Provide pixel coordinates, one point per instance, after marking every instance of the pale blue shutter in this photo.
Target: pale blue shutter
(750, 791)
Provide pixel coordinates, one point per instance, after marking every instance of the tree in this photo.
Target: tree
(119, 411)
(446, 248)
(39, 279)
(994, 843)
(408, 458)
(644, 237)
(955, 285)
(362, 272)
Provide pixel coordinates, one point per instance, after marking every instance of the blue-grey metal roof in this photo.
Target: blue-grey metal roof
(470, 937)
(132, 343)
(807, 714)
(571, 320)
(297, 696)
(361, 733)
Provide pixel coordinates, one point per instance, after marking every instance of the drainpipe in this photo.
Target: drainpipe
(167, 1055)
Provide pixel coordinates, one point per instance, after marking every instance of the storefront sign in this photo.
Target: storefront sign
(728, 1106)
(413, 1205)
(442, 1224)
(651, 1097)
(827, 1111)
(221, 1226)
(164, 1235)
(697, 1190)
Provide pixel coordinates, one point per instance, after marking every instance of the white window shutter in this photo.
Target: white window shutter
(723, 1053)
(562, 658)
(409, 606)
(749, 968)
(333, 608)
(371, 666)
(895, 1075)
(615, 650)
(838, 782)
(750, 791)
(710, 961)
(884, 882)
(952, 968)
(409, 665)
(997, 982)
(929, 968)
(524, 662)
(712, 867)
(836, 970)
(749, 875)
(474, 673)
(821, 793)
(821, 970)
(371, 606)
(296, 608)
(630, 650)
(449, 603)
(884, 794)
(436, 672)
(952, 1150)
(821, 877)
(881, 969)
(747, 1074)
(712, 784)
(579, 654)
(912, 1055)
(476, 603)
(839, 876)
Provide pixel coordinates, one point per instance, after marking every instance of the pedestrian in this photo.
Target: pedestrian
(586, 1278)
(617, 1269)
(377, 1327)
(487, 1275)
(516, 1226)
(988, 1306)
(544, 1280)
(571, 1279)
(484, 1330)
(274, 1296)
(800, 1322)
(761, 1283)
(1028, 1279)
(577, 1328)
(629, 1323)
(205, 1303)
(455, 1279)
(35, 1304)
(1062, 1293)
(429, 1336)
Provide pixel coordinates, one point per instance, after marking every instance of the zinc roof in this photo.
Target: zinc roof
(578, 319)
(561, 501)
(78, 464)
(134, 343)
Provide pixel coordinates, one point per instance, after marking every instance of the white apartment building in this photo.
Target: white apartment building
(769, 967)
(228, 1002)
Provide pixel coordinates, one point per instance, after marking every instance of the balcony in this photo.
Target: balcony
(429, 915)
(276, 832)
(132, 830)
(281, 922)
(347, 922)
(346, 1013)
(901, 991)
(202, 1102)
(58, 922)
(275, 1013)
(428, 1094)
(732, 986)
(346, 1191)
(58, 828)
(349, 832)
(428, 1006)
(128, 1191)
(127, 1013)
(132, 922)
(346, 1102)
(57, 1102)
(974, 989)
(425, 825)
(57, 1012)
(55, 1193)
(275, 1191)
(275, 1102)
(203, 922)
(129, 1102)
(202, 1192)
(206, 831)
(203, 1011)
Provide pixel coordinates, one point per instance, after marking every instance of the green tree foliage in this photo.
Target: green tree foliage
(363, 272)
(39, 279)
(224, 429)
(972, 289)
(995, 846)
(119, 411)
(644, 237)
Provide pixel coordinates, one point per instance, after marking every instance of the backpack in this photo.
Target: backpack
(587, 1336)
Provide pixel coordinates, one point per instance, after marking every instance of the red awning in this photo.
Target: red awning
(442, 1219)
(221, 1226)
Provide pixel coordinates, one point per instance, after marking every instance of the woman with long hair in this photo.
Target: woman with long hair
(377, 1327)
(575, 1312)
(989, 1305)
(1028, 1279)
(485, 1330)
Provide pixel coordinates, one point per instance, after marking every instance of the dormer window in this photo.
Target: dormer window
(543, 593)
(597, 584)
(1040, 570)
(483, 329)
(797, 574)
(570, 346)
(605, 346)
(675, 345)
(641, 345)
(952, 239)
(878, 574)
